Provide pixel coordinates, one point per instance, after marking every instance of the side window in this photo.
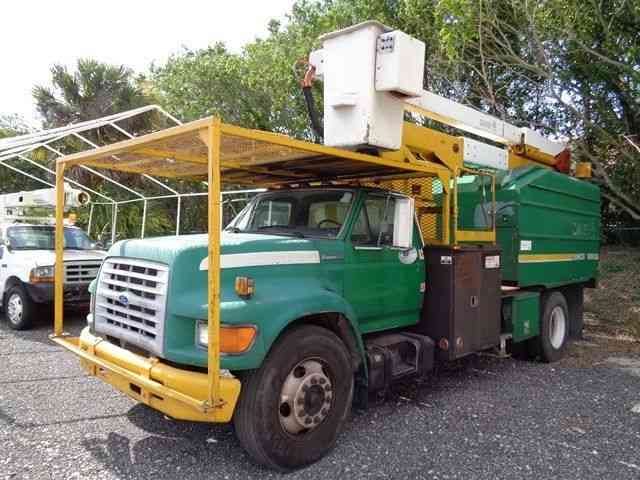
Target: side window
(361, 234)
(375, 222)
(272, 213)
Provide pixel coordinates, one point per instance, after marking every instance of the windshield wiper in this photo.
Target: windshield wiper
(265, 227)
(232, 229)
(285, 231)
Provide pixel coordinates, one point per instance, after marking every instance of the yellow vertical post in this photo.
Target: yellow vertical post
(446, 210)
(59, 244)
(456, 174)
(493, 204)
(215, 227)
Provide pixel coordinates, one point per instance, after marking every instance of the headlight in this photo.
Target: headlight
(42, 274)
(233, 339)
(92, 299)
(203, 334)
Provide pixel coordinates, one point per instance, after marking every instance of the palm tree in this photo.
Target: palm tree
(94, 90)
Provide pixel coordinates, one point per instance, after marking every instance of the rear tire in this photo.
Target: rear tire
(551, 345)
(19, 309)
(292, 409)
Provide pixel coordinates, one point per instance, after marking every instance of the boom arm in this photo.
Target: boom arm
(465, 118)
(372, 74)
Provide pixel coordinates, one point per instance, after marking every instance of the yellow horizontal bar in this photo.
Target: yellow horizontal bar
(475, 236)
(285, 141)
(168, 389)
(556, 257)
(131, 145)
(72, 344)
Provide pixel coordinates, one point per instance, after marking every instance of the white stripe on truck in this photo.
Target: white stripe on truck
(264, 259)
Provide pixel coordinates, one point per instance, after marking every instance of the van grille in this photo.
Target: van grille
(82, 271)
(130, 302)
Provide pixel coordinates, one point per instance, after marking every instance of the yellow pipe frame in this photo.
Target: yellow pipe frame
(215, 227)
(59, 245)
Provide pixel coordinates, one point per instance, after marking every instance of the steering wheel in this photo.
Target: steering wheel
(328, 220)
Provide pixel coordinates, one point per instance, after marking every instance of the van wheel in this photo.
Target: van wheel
(18, 308)
(550, 346)
(292, 409)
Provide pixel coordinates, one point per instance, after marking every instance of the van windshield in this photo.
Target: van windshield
(303, 213)
(32, 237)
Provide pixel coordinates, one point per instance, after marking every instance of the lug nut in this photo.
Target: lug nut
(314, 381)
(307, 420)
(322, 380)
(327, 387)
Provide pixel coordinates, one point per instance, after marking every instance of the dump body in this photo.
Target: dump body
(548, 227)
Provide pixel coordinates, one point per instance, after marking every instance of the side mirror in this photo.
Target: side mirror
(1, 251)
(403, 228)
(7, 244)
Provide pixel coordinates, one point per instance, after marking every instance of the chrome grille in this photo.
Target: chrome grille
(80, 271)
(130, 302)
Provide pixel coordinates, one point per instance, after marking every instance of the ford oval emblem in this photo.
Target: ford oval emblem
(123, 299)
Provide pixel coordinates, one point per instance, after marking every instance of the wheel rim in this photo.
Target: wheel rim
(306, 397)
(558, 327)
(15, 309)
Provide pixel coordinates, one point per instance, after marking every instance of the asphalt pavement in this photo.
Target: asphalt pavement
(480, 418)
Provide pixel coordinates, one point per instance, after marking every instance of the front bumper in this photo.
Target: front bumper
(44, 293)
(178, 393)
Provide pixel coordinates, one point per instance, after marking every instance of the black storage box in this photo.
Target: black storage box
(461, 310)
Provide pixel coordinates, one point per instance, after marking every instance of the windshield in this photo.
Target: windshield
(305, 213)
(28, 237)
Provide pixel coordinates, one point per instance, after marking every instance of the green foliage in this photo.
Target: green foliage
(565, 67)
(93, 90)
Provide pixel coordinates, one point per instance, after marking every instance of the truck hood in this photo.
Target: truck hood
(44, 258)
(167, 249)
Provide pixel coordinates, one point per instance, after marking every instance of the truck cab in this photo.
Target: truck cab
(27, 261)
(355, 253)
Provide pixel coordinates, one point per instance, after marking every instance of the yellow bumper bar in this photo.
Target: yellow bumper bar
(180, 394)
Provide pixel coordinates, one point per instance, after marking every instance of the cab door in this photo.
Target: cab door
(383, 283)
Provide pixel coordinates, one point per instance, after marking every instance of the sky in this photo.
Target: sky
(35, 34)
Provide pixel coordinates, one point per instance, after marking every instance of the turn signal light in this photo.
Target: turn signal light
(245, 286)
(236, 339)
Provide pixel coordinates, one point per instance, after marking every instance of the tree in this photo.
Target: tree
(94, 90)
(567, 68)
(577, 67)
(12, 125)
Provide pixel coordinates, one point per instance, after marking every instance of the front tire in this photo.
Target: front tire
(18, 308)
(292, 409)
(551, 345)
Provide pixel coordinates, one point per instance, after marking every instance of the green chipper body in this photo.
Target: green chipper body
(547, 227)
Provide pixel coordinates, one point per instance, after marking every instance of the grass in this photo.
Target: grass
(616, 301)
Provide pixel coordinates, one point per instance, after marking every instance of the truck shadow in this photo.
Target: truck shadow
(166, 448)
